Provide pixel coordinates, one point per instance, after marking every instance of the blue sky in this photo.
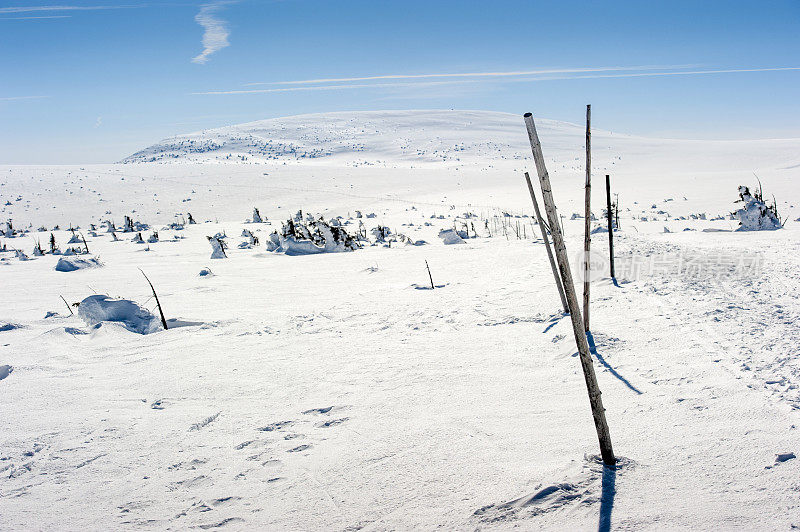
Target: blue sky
(88, 82)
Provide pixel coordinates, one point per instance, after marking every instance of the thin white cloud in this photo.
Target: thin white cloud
(35, 18)
(98, 122)
(488, 77)
(215, 36)
(33, 9)
(17, 98)
(339, 87)
(473, 74)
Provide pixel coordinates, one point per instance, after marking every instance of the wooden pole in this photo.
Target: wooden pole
(610, 225)
(595, 400)
(587, 239)
(543, 229)
(429, 275)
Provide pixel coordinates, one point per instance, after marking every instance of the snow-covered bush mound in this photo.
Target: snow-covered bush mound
(99, 308)
(756, 215)
(70, 264)
(310, 236)
(5, 371)
(450, 236)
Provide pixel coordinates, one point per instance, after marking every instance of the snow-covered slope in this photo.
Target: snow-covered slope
(354, 138)
(337, 392)
(420, 138)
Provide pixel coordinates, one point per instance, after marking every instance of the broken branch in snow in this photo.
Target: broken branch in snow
(67, 304)
(158, 303)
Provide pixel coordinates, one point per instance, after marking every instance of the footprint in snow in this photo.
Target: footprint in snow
(276, 426)
(323, 410)
(331, 423)
(300, 448)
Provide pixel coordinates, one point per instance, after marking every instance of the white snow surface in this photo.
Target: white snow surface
(325, 392)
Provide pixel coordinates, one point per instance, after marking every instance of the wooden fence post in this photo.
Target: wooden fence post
(596, 402)
(543, 229)
(587, 239)
(610, 225)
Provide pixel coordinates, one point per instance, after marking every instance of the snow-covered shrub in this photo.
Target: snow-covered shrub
(252, 240)
(450, 236)
(382, 234)
(257, 216)
(756, 215)
(153, 238)
(218, 247)
(310, 236)
(68, 264)
(99, 308)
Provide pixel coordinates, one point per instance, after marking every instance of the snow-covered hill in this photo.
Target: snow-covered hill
(356, 138)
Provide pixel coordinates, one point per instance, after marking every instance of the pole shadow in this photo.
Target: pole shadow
(593, 350)
(609, 490)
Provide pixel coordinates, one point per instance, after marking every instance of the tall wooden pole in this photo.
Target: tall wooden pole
(610, 225)
(547, 244)
(596, 402)
(587, 239)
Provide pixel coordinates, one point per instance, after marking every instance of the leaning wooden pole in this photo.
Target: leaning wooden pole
(547, 244)
(610, 225)
(587, 212)
(595, 400)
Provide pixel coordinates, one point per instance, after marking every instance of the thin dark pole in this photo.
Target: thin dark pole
(610, 225)
(587, 235)
(158, 303)
(429, 275)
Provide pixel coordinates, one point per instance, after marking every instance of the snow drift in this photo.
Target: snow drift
(99, 308)
(71, 264)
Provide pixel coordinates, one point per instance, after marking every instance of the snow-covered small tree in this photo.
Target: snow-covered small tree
(257, 216)
(217, 247)
(756, 215)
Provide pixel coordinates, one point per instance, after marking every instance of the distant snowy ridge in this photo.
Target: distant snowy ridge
(385, 138)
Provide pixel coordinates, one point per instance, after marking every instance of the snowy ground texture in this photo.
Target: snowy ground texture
(337, 392)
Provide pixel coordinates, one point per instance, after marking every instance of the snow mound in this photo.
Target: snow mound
(99, 308)
(449, 236)
(9, 327)
(5, 371)
(70, 264)
(755, 215)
